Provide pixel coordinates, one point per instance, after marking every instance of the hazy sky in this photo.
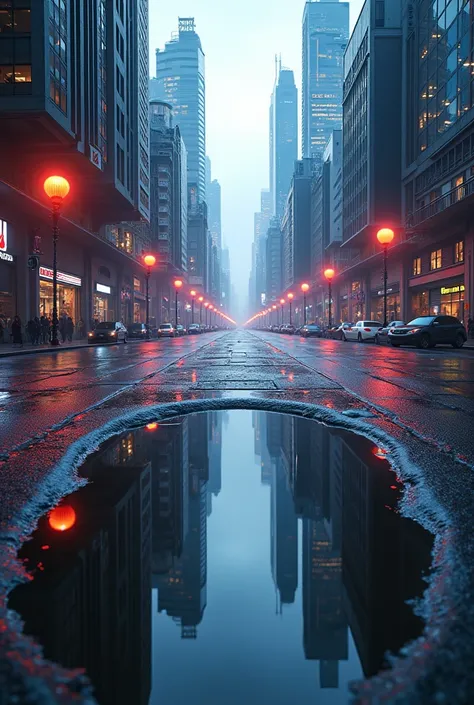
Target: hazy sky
(240, 40)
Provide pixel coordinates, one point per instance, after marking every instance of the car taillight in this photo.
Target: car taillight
(368, 330)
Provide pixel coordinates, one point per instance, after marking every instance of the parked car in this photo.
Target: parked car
(338, 331)
(180, 330)
(362, 331)
(108, 332)
(382, 335)
(194, 329)
(311, 330)
(287, 328)
(166, 330)
(427, 331)
(137, 330)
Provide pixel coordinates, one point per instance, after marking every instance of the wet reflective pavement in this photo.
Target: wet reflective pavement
(227, 557)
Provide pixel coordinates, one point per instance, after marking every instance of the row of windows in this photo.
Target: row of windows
(436, 259)
(14, 20)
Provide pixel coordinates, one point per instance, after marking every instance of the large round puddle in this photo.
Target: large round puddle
(227, 557)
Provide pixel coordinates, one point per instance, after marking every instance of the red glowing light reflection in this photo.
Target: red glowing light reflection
(151, 426)
(62, 518)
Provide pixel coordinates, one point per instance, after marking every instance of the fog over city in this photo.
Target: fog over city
(240, 42)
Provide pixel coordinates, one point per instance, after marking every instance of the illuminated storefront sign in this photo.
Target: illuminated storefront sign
(47, 273)
(103, 289)
(452, 289)
(4, 242)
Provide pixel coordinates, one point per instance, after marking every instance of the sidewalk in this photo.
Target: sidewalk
(8, 350)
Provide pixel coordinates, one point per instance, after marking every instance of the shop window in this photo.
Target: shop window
(137, 285)
(459, 252)
(436, 260)
(416, 266)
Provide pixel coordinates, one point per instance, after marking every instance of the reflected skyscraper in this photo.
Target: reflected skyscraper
(183, 590)
(90, 602)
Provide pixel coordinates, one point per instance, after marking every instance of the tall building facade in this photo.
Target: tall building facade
(295, 227)
(258, 274)
(283, 138)
(325, 35)
(169, 192)
(180, 81)
(55, 120)
(215, 230)
(273, 261)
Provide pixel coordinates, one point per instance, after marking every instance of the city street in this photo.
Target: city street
(416, 405)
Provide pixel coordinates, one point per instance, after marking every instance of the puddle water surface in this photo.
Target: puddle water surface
(227, 557)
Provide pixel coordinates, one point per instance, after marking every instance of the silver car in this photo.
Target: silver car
(382, 335)
(108, 332)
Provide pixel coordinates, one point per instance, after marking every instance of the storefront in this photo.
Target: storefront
(393, 304)
(104, 309)
(344, 308)
(69, 300)
(445, 300)
(7, 276)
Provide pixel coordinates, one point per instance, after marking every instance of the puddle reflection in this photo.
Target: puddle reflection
(227, 557)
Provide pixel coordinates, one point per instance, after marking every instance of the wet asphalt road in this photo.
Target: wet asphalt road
(422, 401)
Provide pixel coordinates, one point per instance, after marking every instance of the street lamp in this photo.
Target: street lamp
(206, 306)
(385, 237)
(193, 296)
(56, 188)
(201, 299)
(282, 303)
(177, 286)
(304, 289)
(150, 261)
(290, 298)
(329, 275)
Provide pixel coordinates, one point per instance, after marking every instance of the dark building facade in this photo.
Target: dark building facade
(198, 247)
(55, 121)
(296, 227)
(273, 261)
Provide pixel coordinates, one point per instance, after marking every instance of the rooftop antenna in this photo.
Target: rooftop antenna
(276, 68)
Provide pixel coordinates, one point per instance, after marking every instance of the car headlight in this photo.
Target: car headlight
(114, 332)
(414, 330)
(90, 335)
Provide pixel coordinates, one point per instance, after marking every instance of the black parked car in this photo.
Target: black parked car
(427, 331)
(311, 330)
(137, 330)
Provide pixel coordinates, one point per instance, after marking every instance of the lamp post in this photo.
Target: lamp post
(385, 237)
(56, 188)
(275, 309)
(150, 262)
(329, 275)
(193, 296)
(206, 306)
(304, 289)
(282, 303)
(290, 298)
(201, 299)
(177, 286)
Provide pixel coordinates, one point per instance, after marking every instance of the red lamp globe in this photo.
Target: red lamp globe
(201, 299)
(206, 304)
(62, 518)
(385, 236)
(305, 288)
(178, 283)
(150, 260)
(56, 188)
(329, 273)
(282, 301)
(193, 293)
(290, 296)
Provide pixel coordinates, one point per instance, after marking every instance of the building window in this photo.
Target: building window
(459, 252)
(379, 13)
(137, 285)
(58, 53)
(416, 266)
(436, 260)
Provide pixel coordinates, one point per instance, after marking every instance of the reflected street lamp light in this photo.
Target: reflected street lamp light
(329, 276)
(385, 237)
(56, 188)
(150, 261)
(177, 286)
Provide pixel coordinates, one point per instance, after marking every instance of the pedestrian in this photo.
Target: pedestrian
(17, 332)
(31, 330)
(37, 323)
(69, 328)
(80, 328)
(44, 323)
(63, 327)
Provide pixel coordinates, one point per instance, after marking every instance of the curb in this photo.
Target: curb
(60, 348)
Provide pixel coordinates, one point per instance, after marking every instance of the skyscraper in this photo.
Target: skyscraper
(283, 138)
(325, 35)
(180, 81)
